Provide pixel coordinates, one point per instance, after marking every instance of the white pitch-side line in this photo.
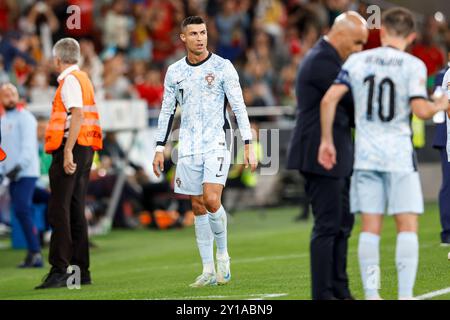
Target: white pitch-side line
(237, 261)
(258, 296)
(242, 260)
(270, 295)
(433, 294)
(269, 258)
(233, 261)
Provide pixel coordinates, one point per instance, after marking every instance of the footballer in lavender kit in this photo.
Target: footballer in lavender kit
(202, 84)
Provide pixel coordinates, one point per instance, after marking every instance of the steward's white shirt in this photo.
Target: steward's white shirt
(71, 94)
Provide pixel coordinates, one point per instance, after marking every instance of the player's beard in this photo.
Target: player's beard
(197, 52)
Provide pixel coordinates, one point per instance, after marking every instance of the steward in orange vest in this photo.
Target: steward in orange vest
(90, 132)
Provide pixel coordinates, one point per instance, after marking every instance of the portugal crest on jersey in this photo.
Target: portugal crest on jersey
(210, 79)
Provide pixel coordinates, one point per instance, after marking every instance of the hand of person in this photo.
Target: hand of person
(249, 157)
(12, 175)
(441, 102)
(327, 155)
(158, 163)
(69, 166)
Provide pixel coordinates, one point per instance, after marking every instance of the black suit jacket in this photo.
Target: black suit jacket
(316, 74)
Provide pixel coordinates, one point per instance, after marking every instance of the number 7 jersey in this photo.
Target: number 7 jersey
(202, 91)
(383, 82)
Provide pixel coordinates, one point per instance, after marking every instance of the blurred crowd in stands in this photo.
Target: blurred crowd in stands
(126, 47)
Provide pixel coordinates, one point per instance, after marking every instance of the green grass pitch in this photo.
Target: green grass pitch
(270, 260)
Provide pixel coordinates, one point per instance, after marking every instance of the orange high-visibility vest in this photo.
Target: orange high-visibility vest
(90, 133)
(2, 154)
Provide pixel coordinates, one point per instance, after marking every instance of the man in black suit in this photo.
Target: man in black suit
(328, 191)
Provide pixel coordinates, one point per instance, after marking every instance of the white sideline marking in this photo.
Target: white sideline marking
(433, 294)
(233, 261)
(269, 258)
(270, 295)
(258, 296)
(241, 260)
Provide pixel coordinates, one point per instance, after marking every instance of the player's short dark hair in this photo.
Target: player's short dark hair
(398, 22)
(192, 20)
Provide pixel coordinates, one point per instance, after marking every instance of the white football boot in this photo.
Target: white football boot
(203, 280)
(223, 271)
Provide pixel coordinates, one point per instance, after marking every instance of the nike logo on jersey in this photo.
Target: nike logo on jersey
(218, 176)
(178, 82)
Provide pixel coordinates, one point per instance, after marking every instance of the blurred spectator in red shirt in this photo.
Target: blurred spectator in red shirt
(374, 40)
(427, 50)
(8, 14)
(165, 16)
(152, 88)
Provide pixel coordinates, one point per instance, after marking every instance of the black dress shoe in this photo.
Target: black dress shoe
(343, 294)
(54, 280)
(85, 277)
(85, 280)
